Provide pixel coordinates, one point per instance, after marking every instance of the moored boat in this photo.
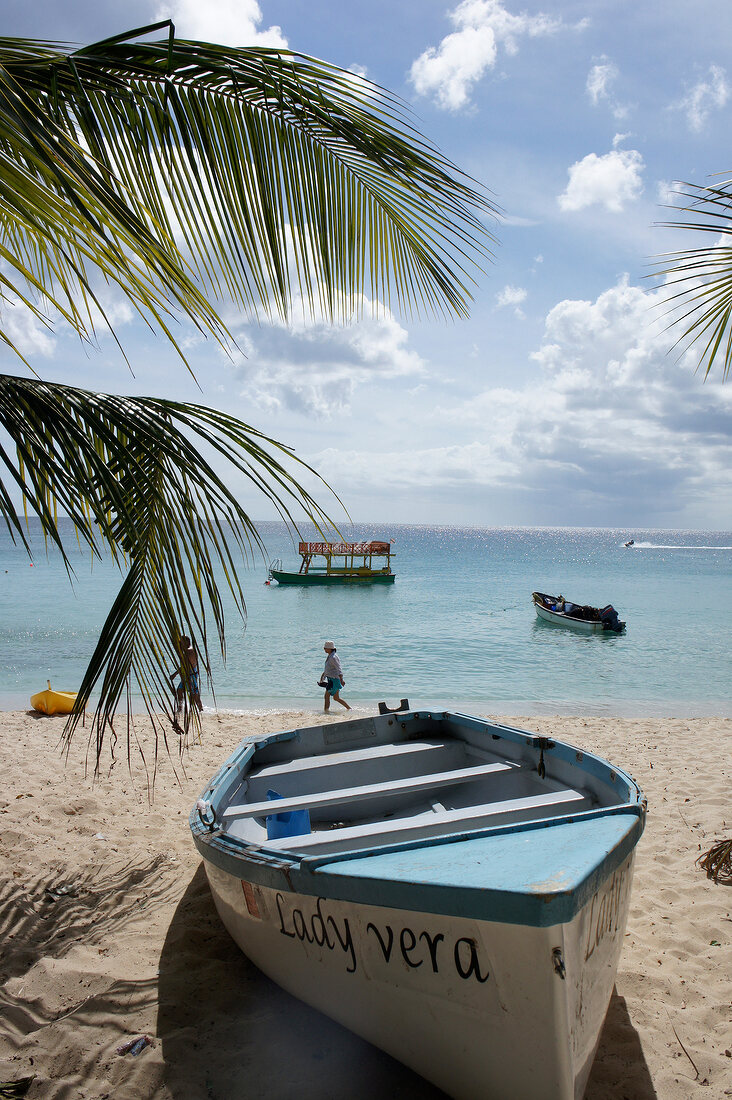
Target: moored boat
(49, 701)
(582, 618)
(339, 563)
(451, 889)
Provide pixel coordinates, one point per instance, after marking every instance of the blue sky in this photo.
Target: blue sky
(560, 401)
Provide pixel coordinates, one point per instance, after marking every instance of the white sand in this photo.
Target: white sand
(136, 946)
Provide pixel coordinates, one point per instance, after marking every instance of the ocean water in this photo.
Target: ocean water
(457, 629)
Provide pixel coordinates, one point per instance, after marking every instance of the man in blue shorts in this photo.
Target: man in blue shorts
(189, 676)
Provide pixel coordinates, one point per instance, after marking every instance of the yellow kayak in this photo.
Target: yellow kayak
(53, 702)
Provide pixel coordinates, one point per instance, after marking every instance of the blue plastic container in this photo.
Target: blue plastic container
(292, 823)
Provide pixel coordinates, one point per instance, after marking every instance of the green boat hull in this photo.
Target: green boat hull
(332, 578)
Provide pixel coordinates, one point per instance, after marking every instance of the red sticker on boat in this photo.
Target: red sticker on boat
(250, 899)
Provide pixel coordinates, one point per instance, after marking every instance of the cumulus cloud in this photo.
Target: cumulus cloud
(512, 296)
(38, 337)
(449, 71)
(24, 330)
(613, 427)
(230, 22)
(612, 181)
(710, 93)
(315, 368)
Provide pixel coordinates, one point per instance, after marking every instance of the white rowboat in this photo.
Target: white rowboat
(453, 890)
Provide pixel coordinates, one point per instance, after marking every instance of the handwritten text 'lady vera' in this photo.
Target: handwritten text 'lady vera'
(414, 948)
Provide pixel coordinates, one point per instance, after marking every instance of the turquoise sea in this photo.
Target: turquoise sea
(457, 628)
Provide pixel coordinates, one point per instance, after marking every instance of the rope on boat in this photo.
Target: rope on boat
(544, 743)
(204, 809)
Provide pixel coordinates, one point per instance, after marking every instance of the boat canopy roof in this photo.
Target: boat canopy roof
(376, 548)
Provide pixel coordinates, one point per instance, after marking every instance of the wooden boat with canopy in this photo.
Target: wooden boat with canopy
(339, 563)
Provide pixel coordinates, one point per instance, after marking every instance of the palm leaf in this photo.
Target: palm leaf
(130, 474)
(699, 280)
(184, 170)
(186, 173)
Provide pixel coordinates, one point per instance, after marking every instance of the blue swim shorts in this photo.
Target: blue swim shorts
(193, 683)
(334, 685)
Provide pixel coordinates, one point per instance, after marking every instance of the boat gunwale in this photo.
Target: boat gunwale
(308, 874)
(595, 765)
(318, 576)
(312, 877)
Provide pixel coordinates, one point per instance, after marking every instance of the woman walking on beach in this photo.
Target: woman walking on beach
(333, 677)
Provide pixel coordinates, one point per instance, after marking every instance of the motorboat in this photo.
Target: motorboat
(452, 889)
(579, 617)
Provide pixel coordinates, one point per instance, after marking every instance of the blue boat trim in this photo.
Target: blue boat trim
(336, 877)
(552, 889)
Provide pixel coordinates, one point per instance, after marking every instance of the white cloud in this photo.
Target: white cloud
(33, 338)
(711, 93)
(601, 80)
(24, 330)
(450, 70)
(230, 22)
(512, 296)
(614, 426)
(612, 181)
(316, 368)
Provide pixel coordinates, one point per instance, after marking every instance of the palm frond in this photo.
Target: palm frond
(182, 173)
(717, 861)
(185, 170)
(698, 281)
(130, 474)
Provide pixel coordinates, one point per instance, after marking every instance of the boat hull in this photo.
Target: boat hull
(53, 702)
(483, 1009)
(451, 889)
(580, 626)
(332, 578)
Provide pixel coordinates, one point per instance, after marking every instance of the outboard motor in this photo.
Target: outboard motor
(610, 619)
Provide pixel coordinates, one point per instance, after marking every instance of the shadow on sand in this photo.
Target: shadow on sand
(228, 1032)
(620, 1069)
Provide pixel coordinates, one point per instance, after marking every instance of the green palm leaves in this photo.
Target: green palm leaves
(187, 175)
(130, 474)
(700, 279)
(185, 171)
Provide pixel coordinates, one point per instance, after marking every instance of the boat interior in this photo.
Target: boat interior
(431, 778)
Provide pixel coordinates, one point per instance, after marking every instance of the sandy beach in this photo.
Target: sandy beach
(109, 932)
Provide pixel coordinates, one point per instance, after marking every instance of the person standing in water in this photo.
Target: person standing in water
(189, 675)
(333, 677)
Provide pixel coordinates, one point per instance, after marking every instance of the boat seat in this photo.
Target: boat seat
(356, 767)
(410, 785)
(430, 824)
(419, 752)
